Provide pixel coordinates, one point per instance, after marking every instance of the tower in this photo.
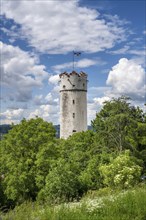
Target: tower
(73, 103)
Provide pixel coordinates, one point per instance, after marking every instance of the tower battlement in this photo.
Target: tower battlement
(81, 74)
(73, 81)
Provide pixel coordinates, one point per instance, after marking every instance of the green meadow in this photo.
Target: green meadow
(99, 205)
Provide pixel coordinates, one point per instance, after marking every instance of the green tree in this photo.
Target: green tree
(46, 155)
(141, 140)
(116, 125)
(77, 148)
(62, 182)
(20, 154)
(124, 171)
(90, 177)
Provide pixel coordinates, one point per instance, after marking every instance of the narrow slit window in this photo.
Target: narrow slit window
(73, 101)
(73, 115)
(64, 86)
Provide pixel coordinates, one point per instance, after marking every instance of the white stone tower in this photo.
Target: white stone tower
(73, 103)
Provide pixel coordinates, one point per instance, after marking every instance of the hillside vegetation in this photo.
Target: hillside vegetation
(36, 166)
(124, 205)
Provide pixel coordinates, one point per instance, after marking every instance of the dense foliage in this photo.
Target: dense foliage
(35, 165)
(21, 154)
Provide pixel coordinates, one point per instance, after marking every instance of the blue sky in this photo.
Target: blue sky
(37, 42)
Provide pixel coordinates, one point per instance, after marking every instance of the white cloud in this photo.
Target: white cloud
(56, 89)
(38, 100)
(137, 52)
(127, 78)
(121, 50)
(63, 26)
(54, 79)
(95, 106)
(10, 116)
(83, 63)
(47, 112)
(49, 97)
(127, 50)
(140, 60)
(101, 100)
(20, 72)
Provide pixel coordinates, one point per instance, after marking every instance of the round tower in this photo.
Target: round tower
(73, 103)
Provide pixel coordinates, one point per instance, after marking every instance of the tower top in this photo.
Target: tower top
(73, 81)
(81, 74)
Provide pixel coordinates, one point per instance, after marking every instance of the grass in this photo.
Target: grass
(124, 205)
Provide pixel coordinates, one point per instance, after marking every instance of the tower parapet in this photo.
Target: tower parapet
(73, 103)
(73, 81)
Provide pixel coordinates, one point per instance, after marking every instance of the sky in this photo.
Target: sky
(37, 41)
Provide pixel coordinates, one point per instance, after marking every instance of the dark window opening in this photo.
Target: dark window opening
(64, 86)
(74, 131)
(73, 101)
(73, 115)
(73, 85)
(83, 84)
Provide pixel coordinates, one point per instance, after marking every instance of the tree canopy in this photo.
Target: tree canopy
(118, 125)
(35, 165)
(20, 157)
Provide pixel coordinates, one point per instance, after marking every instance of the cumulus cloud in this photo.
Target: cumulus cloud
(20, 72)
(54, 79)
(50, 99)
(127, 78)
(100, 101)
(10, 116)
(47, 112)
(47, 107)
(95, 106)
(57, 27)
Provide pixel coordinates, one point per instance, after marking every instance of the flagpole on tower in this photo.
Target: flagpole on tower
(77, 54)
(73, 60)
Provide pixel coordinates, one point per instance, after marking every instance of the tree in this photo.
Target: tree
(124, 171)
(116, 125)
(77, 148)
(141, 139)
(62, 182)
(90, 177)
(20, 153)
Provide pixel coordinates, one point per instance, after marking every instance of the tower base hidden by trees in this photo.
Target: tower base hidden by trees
(73, 103)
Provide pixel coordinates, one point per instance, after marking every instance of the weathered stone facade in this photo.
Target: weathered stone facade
(73, 103)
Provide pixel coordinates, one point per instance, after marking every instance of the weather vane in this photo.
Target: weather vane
(75, 53)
